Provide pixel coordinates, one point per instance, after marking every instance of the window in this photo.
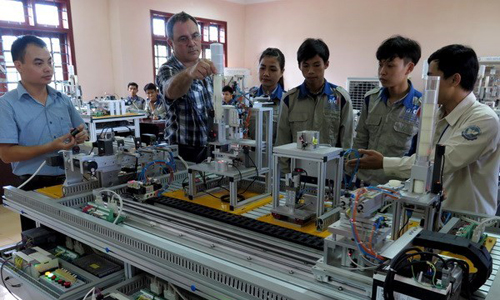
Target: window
(212, 31)
(49, 20)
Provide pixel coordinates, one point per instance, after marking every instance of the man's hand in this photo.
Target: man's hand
(83, 135)
(202, 69)
(65, 142)
(371, 160)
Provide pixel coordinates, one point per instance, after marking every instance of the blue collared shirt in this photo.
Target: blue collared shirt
(136, 102)
(26, 122)
(276, 94)
(408, 100)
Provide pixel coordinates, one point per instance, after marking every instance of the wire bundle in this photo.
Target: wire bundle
(405, 261)
(366, 250)
(168, 168)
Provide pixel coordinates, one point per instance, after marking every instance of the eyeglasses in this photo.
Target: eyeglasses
(186, 40)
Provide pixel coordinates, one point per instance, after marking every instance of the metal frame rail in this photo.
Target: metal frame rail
(211, 276)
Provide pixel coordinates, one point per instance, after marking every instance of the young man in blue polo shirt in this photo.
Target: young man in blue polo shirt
(35, 119)
(133, 100)
(389, 120)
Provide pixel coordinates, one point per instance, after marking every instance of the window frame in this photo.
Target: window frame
(163, 40)
(29, 26)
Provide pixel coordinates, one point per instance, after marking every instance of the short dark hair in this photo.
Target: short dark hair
(18, 49)
(133, 84)
(459, 59)
(312, 47)
(227, 88)
(179, 17)
(275, 52)
(150, 86)
(401, 47)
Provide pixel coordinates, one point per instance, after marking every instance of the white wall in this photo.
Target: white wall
(113, 37)
(120, 34)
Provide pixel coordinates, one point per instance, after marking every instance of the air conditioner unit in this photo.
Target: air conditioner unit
(358, 87)
(487, 86)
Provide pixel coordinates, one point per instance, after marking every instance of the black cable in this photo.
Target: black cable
(397, 265)
(104, 129)
(211, 195)
(219, 183)
(248, 186)
(3, 281)
(256, 171)
(241, 176)
(405, 223)
(226, 198)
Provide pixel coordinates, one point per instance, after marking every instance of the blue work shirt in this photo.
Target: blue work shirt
(26, 122)
(277, 94)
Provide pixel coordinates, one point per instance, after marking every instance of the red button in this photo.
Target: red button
(67, 284)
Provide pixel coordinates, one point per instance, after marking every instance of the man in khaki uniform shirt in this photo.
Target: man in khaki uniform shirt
(389, 121)
(316, 104)
(469, 130)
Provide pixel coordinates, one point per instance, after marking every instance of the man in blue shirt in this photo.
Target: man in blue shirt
(228, 95)
(35, 119)
(134, 101)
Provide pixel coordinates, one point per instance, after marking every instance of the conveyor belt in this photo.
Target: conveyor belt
(243, 222)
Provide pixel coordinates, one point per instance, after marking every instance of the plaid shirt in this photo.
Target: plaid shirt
(186, 121)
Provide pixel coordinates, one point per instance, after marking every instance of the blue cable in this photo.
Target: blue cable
(348, 183)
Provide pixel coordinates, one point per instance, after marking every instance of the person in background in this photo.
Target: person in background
(469, 130)
(36, 120)
(155, 108)
(134, 101)
(389, 121)
(185, 83)
(227, 93)
(271, 69)
(316, 104)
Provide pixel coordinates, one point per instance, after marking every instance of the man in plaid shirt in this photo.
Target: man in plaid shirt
(185, 84)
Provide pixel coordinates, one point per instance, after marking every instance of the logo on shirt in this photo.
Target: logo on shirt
(410, 114)
(332, 103)
(471, 133)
